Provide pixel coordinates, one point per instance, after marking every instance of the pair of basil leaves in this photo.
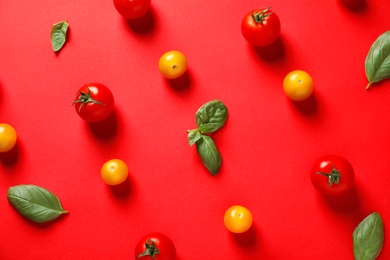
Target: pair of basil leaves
(35, 203)
(209, 118)
(377, 62)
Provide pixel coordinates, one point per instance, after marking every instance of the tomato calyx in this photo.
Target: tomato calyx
(333, 177)
(85, 98)
(259, 17)
(151, 250)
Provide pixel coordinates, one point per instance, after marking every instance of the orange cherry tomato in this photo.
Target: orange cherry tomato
(8, 137)
(114, 172)
(298, 85)
(172, 64)
(238, 219)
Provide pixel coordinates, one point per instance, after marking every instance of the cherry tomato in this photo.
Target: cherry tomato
(260, 27)
(298, 85)
(132, 9)
(114, 172)
(172, 64)
(332, 175)
(8, 137)
(155, 246)
(94, 102)
(238, 219)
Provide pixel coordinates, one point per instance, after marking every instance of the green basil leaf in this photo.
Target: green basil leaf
(58, 35)
(193, 136)
(211, 116)
(35, 203)
(378, 59)
(209, 154)
(368, 238)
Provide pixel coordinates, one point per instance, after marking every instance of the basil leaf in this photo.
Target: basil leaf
(368, 238)
(209, 154)
(193, 136)
(35, 203)
(58, 35)
(378, 59)
(211, 116)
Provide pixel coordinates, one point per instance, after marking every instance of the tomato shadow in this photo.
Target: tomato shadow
(105, 129)
(344, 204)
(121, 190)
(246, 239)
(11, 157)
(354, 5)
(181, 83)
(273, 52)
(143, 25)
(308, 106)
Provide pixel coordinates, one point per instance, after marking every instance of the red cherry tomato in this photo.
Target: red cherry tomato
(155, 246)
(260, 27)
(132, 9)
(332, 175)
(94, 102)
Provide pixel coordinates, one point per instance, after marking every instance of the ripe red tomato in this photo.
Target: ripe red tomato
(260, 27)
(155, 246)
(332, 175)
(132, 9)
(94, 102)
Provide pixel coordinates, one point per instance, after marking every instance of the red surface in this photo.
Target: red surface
(268, 144)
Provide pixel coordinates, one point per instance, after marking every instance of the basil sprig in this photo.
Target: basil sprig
(209, 118)
(377, 62)
(368, 238)
(58, 35)
(35, 203)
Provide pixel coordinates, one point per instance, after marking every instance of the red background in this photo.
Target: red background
(268, 144)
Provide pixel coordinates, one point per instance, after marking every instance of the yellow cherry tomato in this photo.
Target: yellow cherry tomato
(7, 137)
(114, 172)
(238, 219)
(298, 85)
(172, 64)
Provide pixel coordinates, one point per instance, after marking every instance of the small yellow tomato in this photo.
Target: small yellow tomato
(8, 137)
(238, 219)
(172, 64)
(298, 85)
(114, 172)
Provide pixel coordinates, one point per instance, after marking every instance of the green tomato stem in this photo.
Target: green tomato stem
(333, 177)
(85, 98)
(260, 17)
(151, 250)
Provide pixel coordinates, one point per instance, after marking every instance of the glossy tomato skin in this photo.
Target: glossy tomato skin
(94, 102)
(8, 137)
(114, 172)
(298, 85)
(332, 164)
(159, 243)
(261, 27)
(132, 9)
(172, 64)
(238, 219)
